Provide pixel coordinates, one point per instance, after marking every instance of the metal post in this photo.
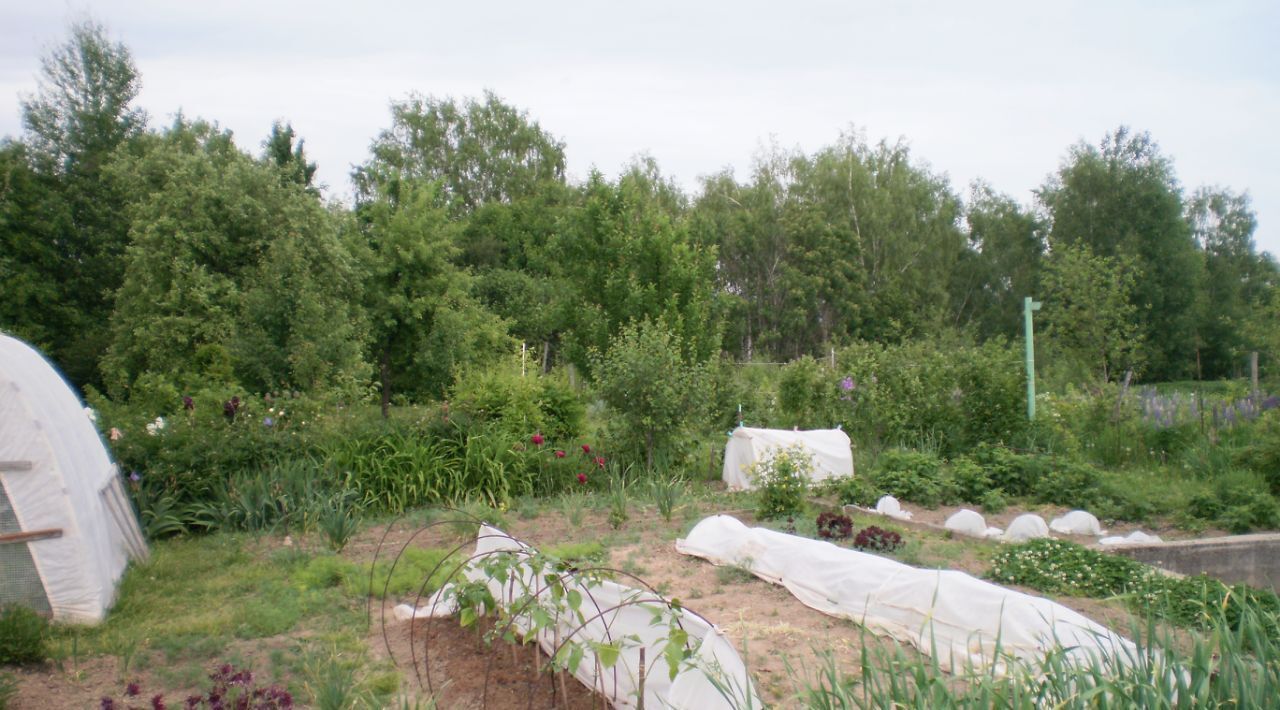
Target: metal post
(1028, 306)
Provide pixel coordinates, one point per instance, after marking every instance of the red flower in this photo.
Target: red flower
(586, 449)
(559, 454)
(600, 461)
(537, 440)
(582, 478)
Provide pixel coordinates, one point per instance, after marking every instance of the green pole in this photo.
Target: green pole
(1028, 306)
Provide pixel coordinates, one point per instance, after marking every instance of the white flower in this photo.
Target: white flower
(93, 416)
(156, 427)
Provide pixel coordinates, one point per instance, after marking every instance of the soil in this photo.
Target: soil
(778, 637)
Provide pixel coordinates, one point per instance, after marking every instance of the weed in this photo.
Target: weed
(23, 635)
(666, 492)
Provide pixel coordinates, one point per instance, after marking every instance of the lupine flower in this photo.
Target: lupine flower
(188, 404)
(537, 439)
(586, 449)
(846, 384)
(559, 453)
(582, 478)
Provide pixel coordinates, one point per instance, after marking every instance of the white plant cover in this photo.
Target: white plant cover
(1137, 537)
(889, 506)
(1027, 526)
(949, 613)
(72, 485)
(692, 688)
(1077, 522)
(831, 450)
(967, 522)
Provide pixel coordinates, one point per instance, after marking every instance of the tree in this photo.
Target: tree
(280, 150)
(1001, 265)
(1088, 310)
(1237, 278)
(478, 151)
(79, 116)
(655, 389)
(32, 212)
(1122, 199)
(424, 320)
(627, 258)
(853, 241)
(228, 265)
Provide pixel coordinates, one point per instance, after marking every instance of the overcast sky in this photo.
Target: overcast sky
(991, 90)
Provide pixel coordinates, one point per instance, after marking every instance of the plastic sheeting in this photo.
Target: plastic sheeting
(627, 612)
(831, 450)
(1027, 526)
(1137, 537)
(71, 485)
(1077, 522)
(951, 614)
(971, 523)
(889, 506)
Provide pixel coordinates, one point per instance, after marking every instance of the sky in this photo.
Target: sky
(997, 91)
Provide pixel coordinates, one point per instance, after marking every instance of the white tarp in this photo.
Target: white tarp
(1077, 522)
(971, 523)
(831, 450)
(1027, 526)
(951, 614)
(71, 485)
(627, 612)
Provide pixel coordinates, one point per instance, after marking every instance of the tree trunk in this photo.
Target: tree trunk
(384, 370)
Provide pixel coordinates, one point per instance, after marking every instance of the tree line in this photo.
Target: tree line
(162, 258)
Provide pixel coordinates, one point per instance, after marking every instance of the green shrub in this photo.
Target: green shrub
(1068, 483)
(971, 480)
(522, 404)
(993, 502)
(23, 634)
(914, 476)
(1240, 501)
(857, 490)
(781, 481)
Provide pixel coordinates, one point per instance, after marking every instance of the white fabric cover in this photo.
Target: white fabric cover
(691, 689)
(1027, 526)
(1137, 537)
(831, 450)
(967, 522)
(951, 613)
(889, 506)
(71, 486)
(1077, 522)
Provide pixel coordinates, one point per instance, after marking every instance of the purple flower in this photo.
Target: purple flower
(157, 702)
(268, 421)
(132, 689)
(846, 384)
(135, 477)
(537, 439)
(107, 703)
(188, 404)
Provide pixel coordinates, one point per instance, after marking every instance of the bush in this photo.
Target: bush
(857, 490)
(914, 476)
(522, 404)
(993, 502)
(23, 633)
(1068, 483)
(1240, 501)
(874, 539)
(782, 480)
(971, 480)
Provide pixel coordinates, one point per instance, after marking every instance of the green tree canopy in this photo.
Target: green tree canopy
(1122, 199)
(227, 262)
(479, 151)
(1088, 310)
